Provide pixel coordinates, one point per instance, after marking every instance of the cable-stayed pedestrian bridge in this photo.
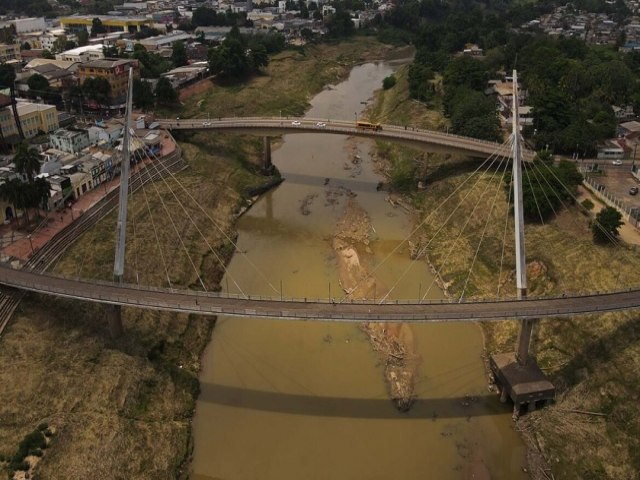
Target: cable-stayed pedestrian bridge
(211, 303)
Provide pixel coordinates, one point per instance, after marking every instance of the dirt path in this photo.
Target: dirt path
(394, 341)
(628, 232)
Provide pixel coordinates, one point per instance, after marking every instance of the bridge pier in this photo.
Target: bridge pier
(524, 340)
(114, 314)
(267, 166)
(525, 385)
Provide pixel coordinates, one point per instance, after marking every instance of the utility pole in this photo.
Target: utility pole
(526, 326)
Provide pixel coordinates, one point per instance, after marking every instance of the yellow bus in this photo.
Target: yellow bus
(368, 125)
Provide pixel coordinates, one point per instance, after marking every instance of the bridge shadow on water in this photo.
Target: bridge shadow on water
(370, 408)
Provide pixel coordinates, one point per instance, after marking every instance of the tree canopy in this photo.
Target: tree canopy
(606, 226)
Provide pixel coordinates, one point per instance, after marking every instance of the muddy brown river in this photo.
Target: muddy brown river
(296, 400)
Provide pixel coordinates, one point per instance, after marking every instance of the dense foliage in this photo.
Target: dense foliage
(606, 226)
(571, 86)
(240, 55)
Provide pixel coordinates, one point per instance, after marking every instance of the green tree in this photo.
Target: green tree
(27, 161)
(388, 82)
(83, 37)
(142, 94)
(179, 54)
(339, 24)
(259, 57)
(38, 84)
(25, 46)
(97, 89)
(97, 27)
(47, 54)
(229, 60)
(165, 93)
(420, 86)
(8, 80)
(59, 44)
(606, 225)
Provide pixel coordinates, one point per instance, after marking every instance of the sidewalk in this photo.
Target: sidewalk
(628, 233)
(17, 244)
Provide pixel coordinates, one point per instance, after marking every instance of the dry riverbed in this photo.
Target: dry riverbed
(393, 341)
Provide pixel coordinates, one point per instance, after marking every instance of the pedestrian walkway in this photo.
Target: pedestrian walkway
(628, 233)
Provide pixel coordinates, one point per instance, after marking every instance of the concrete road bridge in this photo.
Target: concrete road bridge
(430, 140)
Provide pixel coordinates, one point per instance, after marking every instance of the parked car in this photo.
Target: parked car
(295, 123)
(617, 163)
(633, 190)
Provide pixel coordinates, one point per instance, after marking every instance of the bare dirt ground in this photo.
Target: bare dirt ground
(393, 341)
(195, 89)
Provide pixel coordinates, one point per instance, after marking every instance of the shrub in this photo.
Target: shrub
(388, 82)
(588, 204)
(43, 426)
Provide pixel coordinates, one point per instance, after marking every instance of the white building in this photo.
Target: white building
(72, 141)
(27, 25)
(84, 54)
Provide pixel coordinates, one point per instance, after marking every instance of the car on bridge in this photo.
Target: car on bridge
(295, 123)
(617, 163)
(321, 124)
(206, 124)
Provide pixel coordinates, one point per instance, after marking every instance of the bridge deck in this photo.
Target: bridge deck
(429, 139)
(208, 303)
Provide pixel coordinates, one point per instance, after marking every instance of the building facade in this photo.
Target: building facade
(9, 51)
(113, 23)
(115, 71)
(34, 118)
(72, 141)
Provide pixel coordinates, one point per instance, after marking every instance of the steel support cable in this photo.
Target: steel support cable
(226, 236)
(455, 242)
(533, 192)
(614, 240)
(562, 283)
(535, 172)
(135, 244)
(434, 236)
(215, 254)
(239, 347)
(611, 238)
(155, 233)
(484, 230)
(184, 247)
(504, 236)
(247, 358)
(421, 224)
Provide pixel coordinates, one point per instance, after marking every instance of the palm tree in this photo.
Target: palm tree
(27, 161)
(14, 192)
(7, 80)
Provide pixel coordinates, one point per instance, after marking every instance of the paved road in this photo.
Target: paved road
(429, 139)
(214, 304)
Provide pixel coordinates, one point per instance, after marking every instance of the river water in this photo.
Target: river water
(292, 400)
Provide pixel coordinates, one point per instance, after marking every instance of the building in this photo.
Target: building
(112, 23)
(115, 71)
(28, 25)
(165, 41)
(82, 54)
(72, 141)
(34, 118)
(9, 51)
